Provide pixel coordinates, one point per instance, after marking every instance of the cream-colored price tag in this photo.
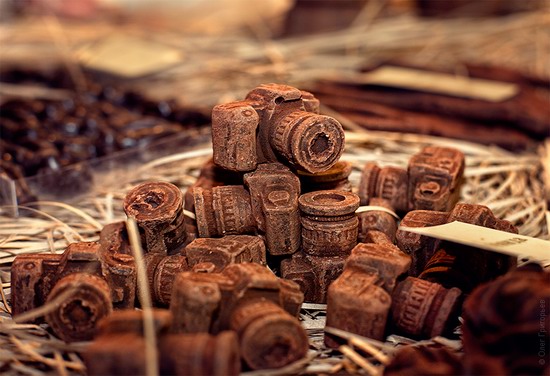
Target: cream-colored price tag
(439, 83)
(524, 247)
(129, 56)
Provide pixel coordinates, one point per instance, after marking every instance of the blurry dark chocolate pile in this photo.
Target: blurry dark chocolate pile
(515, 123)
(40, 136)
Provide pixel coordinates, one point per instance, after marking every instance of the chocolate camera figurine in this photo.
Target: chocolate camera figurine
(359, 300)
(450, 264)
(424, 309)
(275, 123)
(120, 348)
(158, 210)
(249, 299)
(377, 220)
(221, 252)
(313, 274)
(210, 176)
(89, 279)
(269, 206)
(329, 232)
(217, 252)
(431, 182)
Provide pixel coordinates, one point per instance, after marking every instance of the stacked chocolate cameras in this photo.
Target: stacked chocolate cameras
(275, 193)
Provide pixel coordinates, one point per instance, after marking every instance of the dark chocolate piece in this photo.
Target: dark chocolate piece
(249, 299)
(120, 348)
(94, 278)
(506, 321)
(275, 123)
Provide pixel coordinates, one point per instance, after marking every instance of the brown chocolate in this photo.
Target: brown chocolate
(424, 360)
(424, 309)
(158, 210)
(329, 222)
(44, 136)
(99, 278)
(120, 349)
(449, 264)
(211, 176)
(435, 178)
(270, 207)
(335, 178)
(313, 274)
(223, 210)
(249, 299)
(506, 321)
(377, 220)
(275, 123)
(164, 276)
(431, 182)
(224, 251)
(274, 192)
(359, 300)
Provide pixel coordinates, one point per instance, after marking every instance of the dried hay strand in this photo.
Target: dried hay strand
(510, 184)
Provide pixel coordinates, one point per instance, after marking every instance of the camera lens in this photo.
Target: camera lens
(308, 141)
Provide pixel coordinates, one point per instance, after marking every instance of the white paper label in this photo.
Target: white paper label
(524, 247)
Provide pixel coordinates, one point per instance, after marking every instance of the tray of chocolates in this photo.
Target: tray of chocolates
(224, 273)
(57, 135)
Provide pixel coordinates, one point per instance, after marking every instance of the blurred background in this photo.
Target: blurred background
(82, 79)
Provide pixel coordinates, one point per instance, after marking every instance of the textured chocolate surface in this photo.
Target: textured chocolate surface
(120, 348)
(249, 299)
(275, 123)
(89, 279)
(506, 321)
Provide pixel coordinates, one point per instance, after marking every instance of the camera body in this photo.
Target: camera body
(120, 348)
(92, 280)
(431, 182)
(359, 300)
(249, 299)
(267, 205)
(158, 210)
(314, 274)
(447, 263)
(204, 254)
(275, 123)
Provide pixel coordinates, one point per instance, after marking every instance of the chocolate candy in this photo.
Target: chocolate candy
(120, 348)
(335, 178)
(377, 220)
(329, 223)
(450, 264)
(424, 360)
(359, 300)
(506, 322)
(329, 232)
(209, 255)
(424, 309)
(274, 192)
(89, 278)
(275, 123)
(269, 206)
(313, 274)
(431, 182)
(221, 252)
(45, 136)
(158, 210)
(224, 210)
(249, 299)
